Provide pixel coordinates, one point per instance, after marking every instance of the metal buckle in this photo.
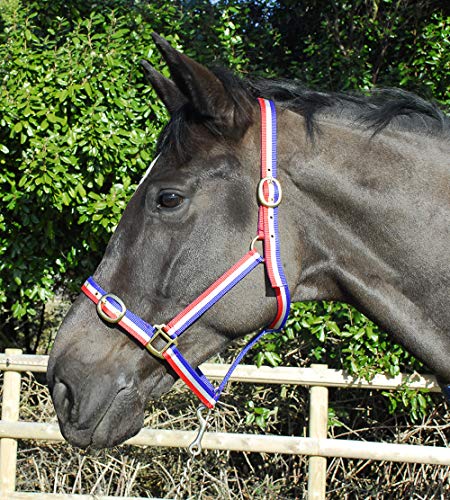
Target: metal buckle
(271, 203)
(102, 313)
(160, 332)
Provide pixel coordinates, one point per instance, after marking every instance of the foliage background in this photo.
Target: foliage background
(78, 126)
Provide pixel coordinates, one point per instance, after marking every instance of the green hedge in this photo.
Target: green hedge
(78, 127)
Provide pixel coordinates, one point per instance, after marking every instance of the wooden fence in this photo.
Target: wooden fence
(316, 446)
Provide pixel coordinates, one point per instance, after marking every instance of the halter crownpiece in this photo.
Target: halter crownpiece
(112, 309)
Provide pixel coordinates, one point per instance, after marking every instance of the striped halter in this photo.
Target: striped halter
(112, 309)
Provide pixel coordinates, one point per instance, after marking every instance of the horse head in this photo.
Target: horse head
(190, 219)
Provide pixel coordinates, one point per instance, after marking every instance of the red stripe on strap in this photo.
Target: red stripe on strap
(210, 289)
(183, 377)
(105, 309)
(86, 291)
(264, 158)
(280, 305)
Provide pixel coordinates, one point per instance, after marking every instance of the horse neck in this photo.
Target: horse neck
(352, 199)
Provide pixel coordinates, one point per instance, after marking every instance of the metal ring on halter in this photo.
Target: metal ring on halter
(269, 203)
(254, 240)
(102, 313)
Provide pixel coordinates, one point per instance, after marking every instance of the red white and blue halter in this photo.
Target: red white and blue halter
(112, 309)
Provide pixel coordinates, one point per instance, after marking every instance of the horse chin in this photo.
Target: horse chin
(125, 417)
(122, 420)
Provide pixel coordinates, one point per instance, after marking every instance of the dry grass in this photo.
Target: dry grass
(157, 472)
(379, 480)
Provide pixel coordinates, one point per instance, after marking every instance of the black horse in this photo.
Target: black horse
(365, 219)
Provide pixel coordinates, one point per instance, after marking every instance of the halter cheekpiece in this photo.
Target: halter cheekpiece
(112, 309)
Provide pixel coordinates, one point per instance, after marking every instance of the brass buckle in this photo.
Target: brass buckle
(160, 332)
(102, 313)
(271, 203)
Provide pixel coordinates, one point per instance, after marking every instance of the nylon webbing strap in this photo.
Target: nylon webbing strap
(268, 212)
(133, 324)
(112, 309)
(215, 292)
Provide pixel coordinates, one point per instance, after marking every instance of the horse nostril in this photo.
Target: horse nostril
(62, 400)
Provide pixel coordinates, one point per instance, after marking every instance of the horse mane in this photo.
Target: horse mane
(375, 110)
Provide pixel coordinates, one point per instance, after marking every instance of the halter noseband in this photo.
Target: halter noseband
(112, 309)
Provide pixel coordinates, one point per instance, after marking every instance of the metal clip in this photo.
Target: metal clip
(195, 448)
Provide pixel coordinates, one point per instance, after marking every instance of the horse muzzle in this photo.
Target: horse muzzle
(94, 410)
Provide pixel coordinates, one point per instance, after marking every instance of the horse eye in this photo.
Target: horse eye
(169, 200)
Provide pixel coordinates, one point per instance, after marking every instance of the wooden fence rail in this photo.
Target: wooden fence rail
(316, 446)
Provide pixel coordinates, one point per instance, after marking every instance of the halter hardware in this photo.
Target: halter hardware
(195, 448)
(272, 202)
(254, 241)
(105, 316)
(269, 197)
(160, 332)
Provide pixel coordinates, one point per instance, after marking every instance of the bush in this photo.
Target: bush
(77, 130)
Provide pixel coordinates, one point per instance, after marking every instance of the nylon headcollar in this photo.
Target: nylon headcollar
(113, 310)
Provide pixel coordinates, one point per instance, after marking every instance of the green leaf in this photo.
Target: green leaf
(17, 127)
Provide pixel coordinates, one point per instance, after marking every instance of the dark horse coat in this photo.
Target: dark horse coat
(365, 219)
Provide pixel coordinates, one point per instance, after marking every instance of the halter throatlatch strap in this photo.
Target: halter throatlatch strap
(113, 310)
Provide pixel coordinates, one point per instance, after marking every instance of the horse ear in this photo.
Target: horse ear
(205, 91)
(167, 91)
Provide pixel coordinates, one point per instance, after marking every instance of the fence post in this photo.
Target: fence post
(318, 427)
(10, 412)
